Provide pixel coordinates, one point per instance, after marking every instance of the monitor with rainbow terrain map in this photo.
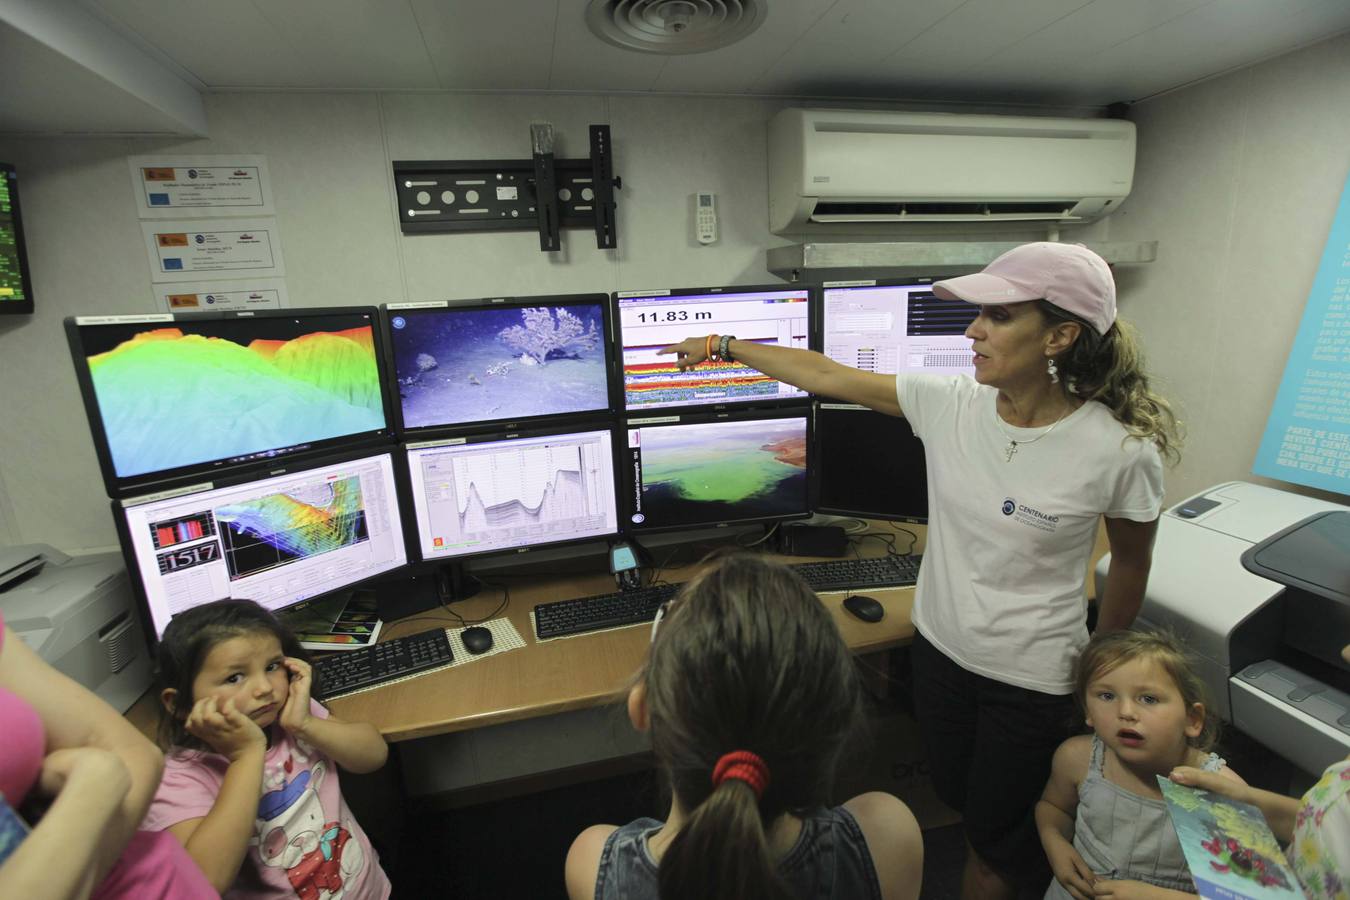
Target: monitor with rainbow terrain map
(176, 396)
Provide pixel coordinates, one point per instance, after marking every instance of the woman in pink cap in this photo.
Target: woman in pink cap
(1057, 429)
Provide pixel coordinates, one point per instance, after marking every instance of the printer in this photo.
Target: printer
(77, 613)
(1263, 643)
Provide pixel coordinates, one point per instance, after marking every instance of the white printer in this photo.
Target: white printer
(78, 614)
(1248, 632)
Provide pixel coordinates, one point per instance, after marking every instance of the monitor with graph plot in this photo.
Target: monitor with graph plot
(714, 469)
(503, 360)
(650, 320)
(279, 539)
(501, 492)
(896, 325)
(172, 397)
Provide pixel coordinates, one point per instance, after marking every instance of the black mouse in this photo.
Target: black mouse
(865, 608)
(476, 639)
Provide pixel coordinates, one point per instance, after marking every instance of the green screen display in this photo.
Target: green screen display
(14, 284)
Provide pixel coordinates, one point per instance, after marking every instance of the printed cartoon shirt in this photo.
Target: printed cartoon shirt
(1320, 852)
(306, 844)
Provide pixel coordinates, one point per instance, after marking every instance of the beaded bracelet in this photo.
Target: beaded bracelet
(724, 348)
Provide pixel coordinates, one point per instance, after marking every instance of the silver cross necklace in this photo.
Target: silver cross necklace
(1011, 450)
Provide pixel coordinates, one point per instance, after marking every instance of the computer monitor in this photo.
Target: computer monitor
(504, 360)
(278, 538)
(174, 396)
(499, 492)
(16, 282)
(650, 320)
(868, 464)
(711, 470)
(896, 325)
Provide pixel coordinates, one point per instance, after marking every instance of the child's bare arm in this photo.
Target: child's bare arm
(1279, 810)
(218, 841)
(1055, 817)
(355, 746)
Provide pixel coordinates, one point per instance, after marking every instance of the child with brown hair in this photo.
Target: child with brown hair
(749, 694)
(1102, 818)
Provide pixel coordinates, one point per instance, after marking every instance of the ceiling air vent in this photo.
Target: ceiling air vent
(674, 26)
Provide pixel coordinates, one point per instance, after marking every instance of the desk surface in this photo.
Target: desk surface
(566, 673)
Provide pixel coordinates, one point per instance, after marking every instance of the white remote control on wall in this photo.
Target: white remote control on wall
(705, 217)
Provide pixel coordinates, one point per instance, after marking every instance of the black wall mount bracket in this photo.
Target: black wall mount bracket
(505, 194)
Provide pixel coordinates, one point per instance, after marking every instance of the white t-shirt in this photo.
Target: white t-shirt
(1001, 587)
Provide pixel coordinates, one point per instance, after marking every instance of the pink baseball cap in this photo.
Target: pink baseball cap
(1069, 276)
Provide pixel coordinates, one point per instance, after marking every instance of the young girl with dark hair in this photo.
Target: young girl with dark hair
(250, 785)
(750, 696)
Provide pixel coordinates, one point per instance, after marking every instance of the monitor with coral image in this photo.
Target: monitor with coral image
(173, 397)
(650, 320)
(716, 469)
(503, 361)
(294, 534)
(508, 492)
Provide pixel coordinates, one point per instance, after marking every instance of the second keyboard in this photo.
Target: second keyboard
(358, 670)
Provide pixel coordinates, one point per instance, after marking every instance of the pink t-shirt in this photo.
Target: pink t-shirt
(153, 865)
(25, 742)
(305, 844)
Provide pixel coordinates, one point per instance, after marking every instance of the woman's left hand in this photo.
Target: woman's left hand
(295, 713)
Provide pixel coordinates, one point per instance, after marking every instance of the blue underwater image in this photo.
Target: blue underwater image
(459, 366)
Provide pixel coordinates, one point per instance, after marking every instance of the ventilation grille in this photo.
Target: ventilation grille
(119, 642)
(674, 26)
(953, 211)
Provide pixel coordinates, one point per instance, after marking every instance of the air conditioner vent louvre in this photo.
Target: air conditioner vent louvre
(1056, 207)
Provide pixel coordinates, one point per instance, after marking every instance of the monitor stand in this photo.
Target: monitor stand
(444, 583)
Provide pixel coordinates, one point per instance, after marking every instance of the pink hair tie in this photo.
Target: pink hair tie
(742, 765)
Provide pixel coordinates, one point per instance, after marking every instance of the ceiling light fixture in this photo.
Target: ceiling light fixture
(674, 26)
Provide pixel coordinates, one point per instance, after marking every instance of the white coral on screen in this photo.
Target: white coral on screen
(558, 333)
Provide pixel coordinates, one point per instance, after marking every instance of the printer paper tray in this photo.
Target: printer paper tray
(1311, 730)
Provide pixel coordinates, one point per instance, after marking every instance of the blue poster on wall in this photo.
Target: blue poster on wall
(1307, 439)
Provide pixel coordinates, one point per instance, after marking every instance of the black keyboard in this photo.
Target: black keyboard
(860, 574)
(356, 670)
(563, 617)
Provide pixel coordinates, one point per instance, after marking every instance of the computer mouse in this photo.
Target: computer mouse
(476, 639)
(865, 608)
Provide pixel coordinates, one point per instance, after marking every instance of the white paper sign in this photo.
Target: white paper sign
(233, 249)
(211, 296)
(192, 186)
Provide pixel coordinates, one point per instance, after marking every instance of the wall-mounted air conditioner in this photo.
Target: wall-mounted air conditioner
(832, 169)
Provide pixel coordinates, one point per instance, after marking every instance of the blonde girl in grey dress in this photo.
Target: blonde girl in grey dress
(1102, 818)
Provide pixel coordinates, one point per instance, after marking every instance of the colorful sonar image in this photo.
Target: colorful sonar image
(11, 262)
(663, 384)
(707, 474)
(480, 365)
(280, 529)
(196, 393)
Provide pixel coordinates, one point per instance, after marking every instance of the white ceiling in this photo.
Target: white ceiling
(1054, 53)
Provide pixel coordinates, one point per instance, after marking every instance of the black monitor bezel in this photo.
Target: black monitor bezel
(24, 306)
(412, 529)
(898, 451)
(429, 432)
(627, 481)
(123, 486)
(813, 299)
(118, 505)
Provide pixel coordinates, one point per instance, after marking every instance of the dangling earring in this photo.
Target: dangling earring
(1053, 370)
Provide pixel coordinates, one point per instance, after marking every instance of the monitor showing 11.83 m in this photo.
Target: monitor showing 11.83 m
(276, 540)
(651, 321)
(201, 391)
